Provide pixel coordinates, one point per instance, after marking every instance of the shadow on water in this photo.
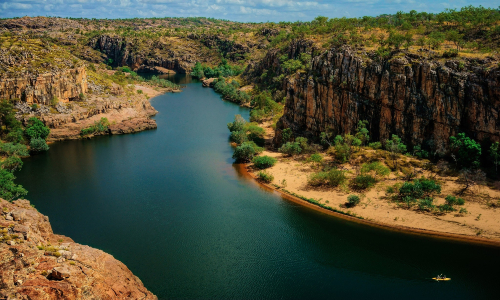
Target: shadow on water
(170, 204)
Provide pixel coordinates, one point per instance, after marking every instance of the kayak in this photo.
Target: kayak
(441, 279)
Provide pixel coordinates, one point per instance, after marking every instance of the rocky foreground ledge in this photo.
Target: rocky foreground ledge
(35, 263)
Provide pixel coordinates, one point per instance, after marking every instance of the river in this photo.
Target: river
(170, 205)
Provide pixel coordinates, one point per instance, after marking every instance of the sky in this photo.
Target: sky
(235, 10)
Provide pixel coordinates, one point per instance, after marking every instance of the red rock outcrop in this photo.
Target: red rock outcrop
(424, 101)
(35, 263)
(65, 86)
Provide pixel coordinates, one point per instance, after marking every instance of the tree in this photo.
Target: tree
(454, 37)
(36, 129)
(470, 177)
(466, 151)
(8, 119)
(495, 154)
(395, 146)
(238, 124)
(362, 132)
(246, 151)
(12, 163)
(38, 145)
(8, 189)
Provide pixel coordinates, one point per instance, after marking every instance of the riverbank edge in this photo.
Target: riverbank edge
(245, 170)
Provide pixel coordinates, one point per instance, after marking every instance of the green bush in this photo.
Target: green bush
(263, 162)
(290, 148)
(13, 149)
(98, 127)
(8, 189)
(255, 133)
(446, 208)
(238, 124)
(375, 145)
(363, 182)
(467, 151)
(15, 136)
(238, 137)
(336, 177)
(36, 129)
(376, 167)
(451, 200)
(265, 177)
(426, 204)
(316, 157)
(246, 151)
(318, 179)
(352, 200)
(12, 163)
(38, 145)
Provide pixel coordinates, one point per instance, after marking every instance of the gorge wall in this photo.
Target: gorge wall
(424, 101)
(35, 263)
(126, 53)
(65, 85)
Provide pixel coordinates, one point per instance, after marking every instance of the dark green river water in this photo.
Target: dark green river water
(170, 205)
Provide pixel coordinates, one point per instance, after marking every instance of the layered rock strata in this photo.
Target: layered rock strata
(64, 86)
(35, 263)
(423, 101)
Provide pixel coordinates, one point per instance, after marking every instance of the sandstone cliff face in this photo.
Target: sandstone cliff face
(123, 53)
(65, 86)
(31, 269)
(421, 100)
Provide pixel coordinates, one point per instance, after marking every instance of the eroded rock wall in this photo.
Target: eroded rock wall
(65, 86)
(31, 269)
(124, 53)
(423, 101)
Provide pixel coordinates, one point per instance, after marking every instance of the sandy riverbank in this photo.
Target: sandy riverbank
(378, 212)
(481, 223)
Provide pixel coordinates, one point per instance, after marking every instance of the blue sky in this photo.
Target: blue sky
(236, 10)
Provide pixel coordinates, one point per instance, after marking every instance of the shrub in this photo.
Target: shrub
(13, 149)
(467, 152)
(263, 162)
(376, 167)
(426, 204)
(362, 182)
(255, 133)
(8, 189)
(265, 177)
(38, 145)
(451, 200)
(139, 91)
(318, 179)
(419, 188)
(246, 151)
(36, 129)
(316, 157)
(445, 208)
(395, 146)
(12, 163)
(352, 200)
(375, 145)
(238, 137)
(98, 127)
(238, 124)
(82, 97)
(336, 177)
(54, 101)
(15, 136)
(290, 148)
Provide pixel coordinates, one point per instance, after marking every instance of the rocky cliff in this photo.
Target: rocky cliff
(35, 263)
(127, 53)
(423, 100)
(65, 85)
